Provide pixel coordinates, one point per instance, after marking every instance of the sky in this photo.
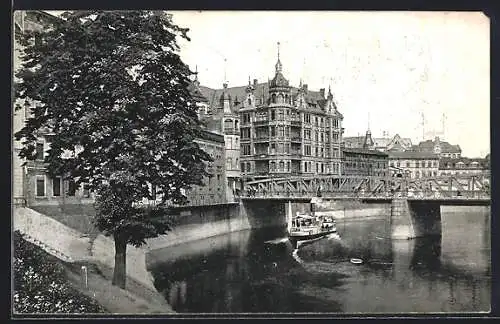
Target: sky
(386, 69)
(406, 73)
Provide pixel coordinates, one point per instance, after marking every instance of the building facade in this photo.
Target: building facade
(439, 147)
(289, 131)
(464, 166)
(31, 181)
(364, 162)
(414, 164)
(213, 190)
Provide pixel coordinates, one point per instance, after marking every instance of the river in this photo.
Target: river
(258, 271)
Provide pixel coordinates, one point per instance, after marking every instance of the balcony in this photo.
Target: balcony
(296, 139)
(261, 122)
(295, 122)
(261, 139)
(263, 156)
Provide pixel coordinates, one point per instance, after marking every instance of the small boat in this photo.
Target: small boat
(356, 261)
(305, 227)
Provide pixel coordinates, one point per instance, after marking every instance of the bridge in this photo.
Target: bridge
(450, 188)
(414, 202)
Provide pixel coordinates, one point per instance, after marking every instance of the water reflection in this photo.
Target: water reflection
(246, 274)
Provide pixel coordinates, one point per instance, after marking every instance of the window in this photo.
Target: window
(71, 188)
(273, 148)
(242, 167)
(307, 150)
(281, 131)
(429, 164)
(39, 151)
(40, 186)
(282, 166)
(417, 174)
(287, 148)
(397, 164)
(273, 131)
(316, 136)
(273, 114)
(281, 115)
(246, 149)
(407, 164)
(56, 186)
(273, 166)
(86, 192)
(229, 162)
(288, 166)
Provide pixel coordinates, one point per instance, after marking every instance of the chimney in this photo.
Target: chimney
(322, 92)
(254, 82)
(304, 87)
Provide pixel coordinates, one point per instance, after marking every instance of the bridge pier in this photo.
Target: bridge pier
(410, 219)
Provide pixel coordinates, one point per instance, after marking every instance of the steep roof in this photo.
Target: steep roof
(261, 93)
(411, 155)
(195, 91)
(428, 146)
(354, 141)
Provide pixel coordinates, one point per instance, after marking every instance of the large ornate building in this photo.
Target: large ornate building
(284, 130)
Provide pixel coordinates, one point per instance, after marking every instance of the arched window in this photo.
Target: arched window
(249, 101)
(273, 98)
(287, 99)
(417, 174)
(280, 98)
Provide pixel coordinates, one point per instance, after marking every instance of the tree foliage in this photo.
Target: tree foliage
(113, 90)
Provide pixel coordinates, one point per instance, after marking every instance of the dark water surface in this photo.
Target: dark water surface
(244, 272)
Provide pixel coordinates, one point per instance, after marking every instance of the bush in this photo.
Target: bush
(41, 286)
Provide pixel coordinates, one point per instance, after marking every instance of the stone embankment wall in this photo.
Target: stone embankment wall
(72, 246)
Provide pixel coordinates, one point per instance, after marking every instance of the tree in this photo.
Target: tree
(114, 92)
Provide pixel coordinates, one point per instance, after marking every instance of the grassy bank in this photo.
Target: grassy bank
(41, 284)
(47, 285)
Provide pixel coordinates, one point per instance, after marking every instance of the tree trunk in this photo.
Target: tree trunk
(119, 273)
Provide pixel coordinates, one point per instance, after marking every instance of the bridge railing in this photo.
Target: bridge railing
(424, 195)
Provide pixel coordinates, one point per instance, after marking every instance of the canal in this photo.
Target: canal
(258, 271)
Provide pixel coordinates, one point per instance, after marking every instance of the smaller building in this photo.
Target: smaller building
(383, 144)
(414, 164)
(439, 147)
(364, 162)
(463, 166)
